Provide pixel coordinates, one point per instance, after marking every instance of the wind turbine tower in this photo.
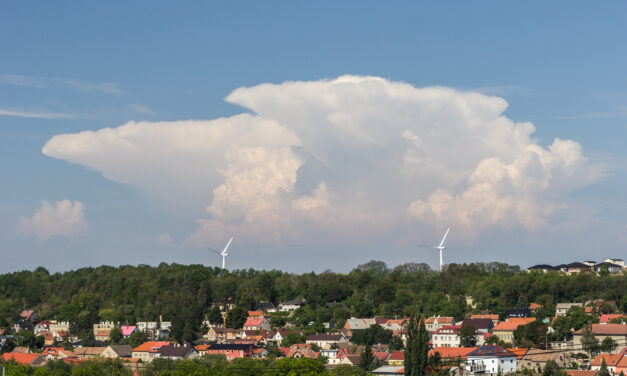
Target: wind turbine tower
(440, 247)
(223, 253)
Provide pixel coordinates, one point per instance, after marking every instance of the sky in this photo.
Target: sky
(320, 135)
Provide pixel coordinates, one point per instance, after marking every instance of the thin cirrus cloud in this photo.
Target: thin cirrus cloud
(352, 157)
(34, 115)
(48, 82)
(62, 219)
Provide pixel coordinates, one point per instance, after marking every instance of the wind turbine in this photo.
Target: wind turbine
(223, 253)
(440, 247)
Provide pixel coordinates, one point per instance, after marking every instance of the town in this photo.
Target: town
(547, 335)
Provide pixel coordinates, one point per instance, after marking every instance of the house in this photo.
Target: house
(325, 340)
(542, 268)
(353, 324)
(351, 360)
(483, 325)
(22, 325)
(231, 351)
(88, 352)
(601, 305)
(517, 313)
(48, 338)
(535, 360)
(291, 305)
(534, 307)
(31, 360)
(43, 326)
(397, 358)
(61, 326)
(148, 350)
(453, 353)
(607, 317)
(493, 317)
(505, 330)
(562, 308)
(389, 371)
(21, 350)
(611, 360)
(127, 330)
(447, 336)
(267, 307)
(493, 359)
(117, 351)
(574, 268)
(176, 351)
(218, 333)
(257, 323)
(611, 267)
(434, 323)
(618, 332)
(260, 353)
(103, 325)
(102, 335)
(332, 355)
(301, 350)
(28, 315)
(57, 353)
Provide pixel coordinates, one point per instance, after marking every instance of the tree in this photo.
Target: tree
(492, 340)
(467, 336)
(552, 369)
(416, 350)
(116, 335)
(366, 358)
(347, 370)
(215, 316)
(236, 318)
(373, 335)
(292, 338)
(396, 343)
(608, 345)
(603, 371)
(588, 341)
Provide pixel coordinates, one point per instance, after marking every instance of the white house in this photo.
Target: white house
(325, 340)
(491, 360)
(291, 305)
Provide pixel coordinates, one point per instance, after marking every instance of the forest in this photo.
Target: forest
(186, 294)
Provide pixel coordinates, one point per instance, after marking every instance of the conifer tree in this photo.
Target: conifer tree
(603, 371)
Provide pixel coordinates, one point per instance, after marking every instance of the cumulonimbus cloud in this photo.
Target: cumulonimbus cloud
(348, 155)
(64, 218)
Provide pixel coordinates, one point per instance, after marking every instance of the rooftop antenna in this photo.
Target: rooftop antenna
(223, 253)
(440, 247)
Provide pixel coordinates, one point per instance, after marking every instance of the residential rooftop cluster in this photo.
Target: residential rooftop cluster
(610, 266)
(579, 336)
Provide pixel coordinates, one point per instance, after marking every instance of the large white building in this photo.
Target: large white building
(491, 360)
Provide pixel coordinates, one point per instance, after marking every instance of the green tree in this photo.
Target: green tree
(608, 345)
(396, 343)
(215, 316)
(551, 368)
(366, 358)
(291, 338)
(236, 318)
(416, 350)
(467, 336)
(603, 371)
(116, 335)
(347, 370)
(588, 341)
(298, 367)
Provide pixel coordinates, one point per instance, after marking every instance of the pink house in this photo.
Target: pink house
(127, 330)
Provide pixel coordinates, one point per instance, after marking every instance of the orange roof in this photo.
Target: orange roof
(580, 372)
(607, 329)
(201, 347)
(397, 355)
(150, 346)
(610, 316)
(610, 359)
(534, 306)
(587, 309)
(20, 358)
(255, 313)
(102, 333)
(489, 316)
(443, 319)
(513, 323)
(519, 352)
(254, 321)
(453, 352)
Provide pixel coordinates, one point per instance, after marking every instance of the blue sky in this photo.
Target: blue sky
(72, 67)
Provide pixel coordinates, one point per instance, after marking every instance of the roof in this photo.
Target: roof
(174, 351)
(397, 355)
(264, 305)
(230, 346)
(353, 359)
(520, 352)
(254, 321)
(102, 333)
(513, 323)
(127, 330)
(567, 305)
(610, 359)
(534, 306)
(453, 352)
(610, 316)
(202, 347)
(255, 313)
(492, 351)
(293, 302)
(381, 355)
(448, 329)
(123, 351)
(441, 320)
(150, 346)
(356, 324)
(487, 316)
(20, 358)
(607, 329)
(385, 370)
(478, 323)
(580, 372)
(537, 355)
(542, 266)
(87, 351)
(26, 314)
(324, 337)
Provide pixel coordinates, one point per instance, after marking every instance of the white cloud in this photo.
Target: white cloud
(66, 218)
(354, 156)
(141, 109)
(165, 239)
(47, 82)
(36, 115)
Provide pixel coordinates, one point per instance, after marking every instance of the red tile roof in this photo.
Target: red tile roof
(520, 352)
(255, 313)
(610, 359)
(453, 352)
(513, 323)
(605, 318)
(580, 372)
(20, 358)
(397, 355)
(254, 321)
(607, 329)
(150, 346)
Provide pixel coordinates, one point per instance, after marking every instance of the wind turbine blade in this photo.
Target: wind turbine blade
(227, 246)
(214, 251)
(427, 246)
(444, 238)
